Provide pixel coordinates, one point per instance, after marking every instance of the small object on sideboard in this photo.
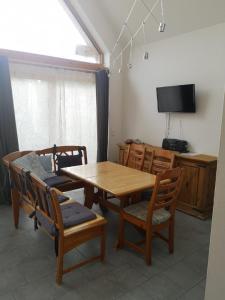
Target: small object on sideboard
(133, 141)
(175, 145)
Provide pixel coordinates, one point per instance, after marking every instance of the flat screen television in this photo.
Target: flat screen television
(180, 98)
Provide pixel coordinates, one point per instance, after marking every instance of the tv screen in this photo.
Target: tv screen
(180, 98)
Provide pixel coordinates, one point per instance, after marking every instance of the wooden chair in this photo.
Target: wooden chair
(135, 157)
(162, 160)
(155, 215)
(71, 183)
(50, 214)
(75, 155)
(135, 160)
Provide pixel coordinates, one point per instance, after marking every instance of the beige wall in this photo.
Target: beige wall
(196, 57)
(215, 287)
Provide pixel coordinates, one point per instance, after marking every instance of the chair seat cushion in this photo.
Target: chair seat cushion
(114, 201)
(75, 213)
(62, 198)
(139, 210)
(55, 181)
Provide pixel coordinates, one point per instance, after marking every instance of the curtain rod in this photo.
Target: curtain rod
(52, 66)
(50, 61)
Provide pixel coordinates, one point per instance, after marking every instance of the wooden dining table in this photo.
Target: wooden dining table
(120, 181)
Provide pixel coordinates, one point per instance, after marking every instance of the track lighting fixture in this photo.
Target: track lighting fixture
(129, 65)
(162, 24)
(146, 53)
(161, 28)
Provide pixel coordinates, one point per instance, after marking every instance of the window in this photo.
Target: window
(54, 106)
(44, 27)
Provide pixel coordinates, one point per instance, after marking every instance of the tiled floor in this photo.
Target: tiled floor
(27, 265)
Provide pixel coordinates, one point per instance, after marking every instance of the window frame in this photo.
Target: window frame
(45, 60)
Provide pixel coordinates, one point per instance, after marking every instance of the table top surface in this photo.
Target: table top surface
(113, 178)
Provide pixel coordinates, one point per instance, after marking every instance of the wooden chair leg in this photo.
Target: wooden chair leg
(15, 207)
(171, 236)
(148, 248)
(103, 244)
(120, 243)
(59, 272)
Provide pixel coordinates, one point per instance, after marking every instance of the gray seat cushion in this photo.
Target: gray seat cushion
(56, 181)
(62, 198)
(31, 162)
(75, 213)
(114, 201)
(72, 214)
(139, 210)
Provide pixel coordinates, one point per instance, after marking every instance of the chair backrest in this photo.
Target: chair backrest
(18, 178)
(135, 158)
(47, 205)
(165, 192)
(162, 160)
(148, 159)
(13, 156)
(64, 156)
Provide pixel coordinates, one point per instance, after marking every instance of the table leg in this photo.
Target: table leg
(124, 201)
(136, 197)
(89, 196)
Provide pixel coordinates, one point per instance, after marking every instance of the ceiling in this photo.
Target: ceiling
(181, 16)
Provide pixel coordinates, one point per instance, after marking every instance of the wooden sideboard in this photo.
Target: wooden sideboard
(197, 193)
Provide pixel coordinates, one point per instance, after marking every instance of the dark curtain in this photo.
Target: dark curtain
(8, 134)
(102, 98)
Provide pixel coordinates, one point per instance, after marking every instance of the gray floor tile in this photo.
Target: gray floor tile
(7, 297)
(11, 278)
(135, 294)
(127, 276)
(183, 275)
(198, 261)
(44, 289)
(160, 287)
(102, 288)
(196, 293)
(39, 267)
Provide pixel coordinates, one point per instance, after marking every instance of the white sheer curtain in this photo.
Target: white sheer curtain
(54, 106)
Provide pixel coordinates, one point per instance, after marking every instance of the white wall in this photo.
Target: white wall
(196, 57)
(215, 287)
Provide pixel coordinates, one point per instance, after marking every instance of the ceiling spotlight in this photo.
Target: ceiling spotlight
(146, 55)
(130, 66)
(162, 24)
(162, 27)
(121, 63)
